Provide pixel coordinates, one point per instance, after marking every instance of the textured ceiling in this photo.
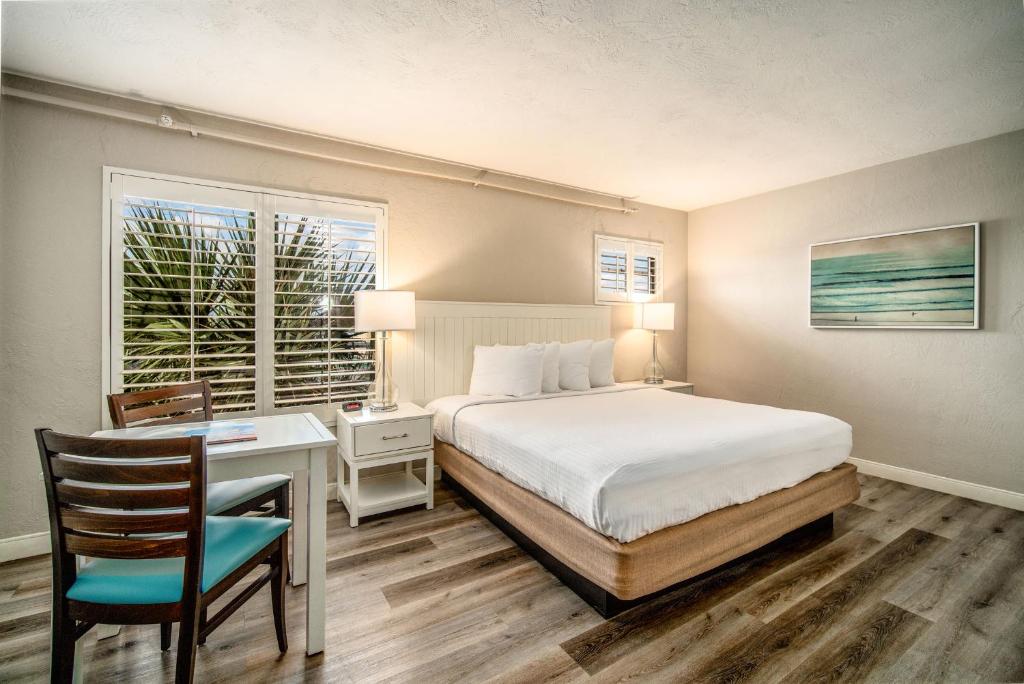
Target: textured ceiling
(682, 105)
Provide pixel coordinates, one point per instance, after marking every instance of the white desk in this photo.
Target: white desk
(297, 444)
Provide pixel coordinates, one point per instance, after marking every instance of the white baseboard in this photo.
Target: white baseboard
(25, 546)
(947, 485)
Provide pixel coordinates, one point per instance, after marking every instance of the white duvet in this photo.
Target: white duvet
(629, 461)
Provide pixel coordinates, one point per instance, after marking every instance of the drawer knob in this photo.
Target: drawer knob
(387, 437)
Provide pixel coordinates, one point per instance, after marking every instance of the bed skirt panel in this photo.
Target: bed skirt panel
(663, 558)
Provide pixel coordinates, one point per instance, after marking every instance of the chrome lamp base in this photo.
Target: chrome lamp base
(384, 386)
(654, 373)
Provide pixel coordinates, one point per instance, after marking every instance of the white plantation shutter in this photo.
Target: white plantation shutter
(626, 270)
(247, 288)
(320, 261)
(611, 280)
(646, 282)
(184, 289)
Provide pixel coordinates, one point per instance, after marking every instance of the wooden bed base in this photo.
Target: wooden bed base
(603, 601)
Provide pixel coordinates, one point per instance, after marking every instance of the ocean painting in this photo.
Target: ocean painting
(918, 279)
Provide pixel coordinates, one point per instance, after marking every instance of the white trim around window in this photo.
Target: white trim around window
(275, 236)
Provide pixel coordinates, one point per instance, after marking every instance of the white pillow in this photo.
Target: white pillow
(602, 361)
(512, 371)
(574, 365)
(550, 382)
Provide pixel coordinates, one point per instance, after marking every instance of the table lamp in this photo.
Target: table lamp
(381, 312)
(655, 317)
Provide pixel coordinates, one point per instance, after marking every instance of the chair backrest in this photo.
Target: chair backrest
(124, 498)
(184, 403)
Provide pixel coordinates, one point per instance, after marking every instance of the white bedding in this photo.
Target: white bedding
(628, 460)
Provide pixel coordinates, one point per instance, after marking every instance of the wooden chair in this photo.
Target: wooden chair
(155, 555)
(187, 403)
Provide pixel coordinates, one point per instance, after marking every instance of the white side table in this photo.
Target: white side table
(668, 385)
(367, 440)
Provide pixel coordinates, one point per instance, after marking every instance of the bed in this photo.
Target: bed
(623, 492)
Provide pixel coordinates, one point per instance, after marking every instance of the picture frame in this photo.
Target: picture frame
(924, 279)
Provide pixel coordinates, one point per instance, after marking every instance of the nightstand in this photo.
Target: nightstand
(669, 385)
(368, 440)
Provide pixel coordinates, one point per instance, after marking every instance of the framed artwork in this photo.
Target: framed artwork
(926, 278)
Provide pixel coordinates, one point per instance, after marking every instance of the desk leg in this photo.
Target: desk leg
(76, 672)
(77, 676)
(316, 592)
(300, 525)
(76, 669)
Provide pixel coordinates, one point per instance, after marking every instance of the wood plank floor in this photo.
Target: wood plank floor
(911, 586)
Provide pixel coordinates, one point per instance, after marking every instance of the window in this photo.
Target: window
(319, 264)
(627, 270)
(251, 289)
(188, 298)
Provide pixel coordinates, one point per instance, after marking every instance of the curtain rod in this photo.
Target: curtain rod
(447, 170)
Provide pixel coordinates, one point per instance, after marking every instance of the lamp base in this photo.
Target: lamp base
(654, 373)
(383, 386)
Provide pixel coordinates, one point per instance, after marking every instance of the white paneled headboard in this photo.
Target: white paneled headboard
(436, 359)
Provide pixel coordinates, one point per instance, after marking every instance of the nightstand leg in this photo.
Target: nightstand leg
(340, 477)
(428, 477)
(353, 495)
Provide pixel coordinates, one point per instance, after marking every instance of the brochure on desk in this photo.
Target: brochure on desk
(215, 433)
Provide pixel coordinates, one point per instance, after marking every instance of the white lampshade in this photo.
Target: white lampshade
(378, 310)
(656, 316)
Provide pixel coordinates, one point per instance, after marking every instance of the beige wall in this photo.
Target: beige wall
(448, 241)
(949, 403)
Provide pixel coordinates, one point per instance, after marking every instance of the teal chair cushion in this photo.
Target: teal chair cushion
(229, 543)
(220, 496)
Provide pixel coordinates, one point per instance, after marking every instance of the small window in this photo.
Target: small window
(626, 270)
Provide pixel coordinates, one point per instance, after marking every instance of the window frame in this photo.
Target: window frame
(265, 204)
(631, 245)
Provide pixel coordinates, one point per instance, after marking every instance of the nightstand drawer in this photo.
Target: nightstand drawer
(400, 434)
